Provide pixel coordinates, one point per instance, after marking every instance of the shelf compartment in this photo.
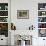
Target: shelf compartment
(3, 19)
(3, 26)
(41, 6)
(4, 32)
(3, 6)
(41, 13)
(42, 32)
(3, 13)
(41, 25)
(4, 29)
(41, 19)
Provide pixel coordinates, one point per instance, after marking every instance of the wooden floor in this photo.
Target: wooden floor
(3, 45)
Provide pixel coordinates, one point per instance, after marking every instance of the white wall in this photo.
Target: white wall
(32, 6)
(23, 24)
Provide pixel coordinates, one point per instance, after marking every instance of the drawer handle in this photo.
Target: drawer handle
(43, 39)
(1, 39)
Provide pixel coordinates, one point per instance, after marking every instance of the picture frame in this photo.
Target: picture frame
(22, 14)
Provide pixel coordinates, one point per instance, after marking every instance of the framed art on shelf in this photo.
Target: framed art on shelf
(22, 14)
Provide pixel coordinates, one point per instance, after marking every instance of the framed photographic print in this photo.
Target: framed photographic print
(22, 14)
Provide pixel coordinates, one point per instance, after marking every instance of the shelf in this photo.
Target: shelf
(3, 16)
(3, 22)
(3, 10)
(41, 28)
(42, 16)
(41, 10)
(41, 22)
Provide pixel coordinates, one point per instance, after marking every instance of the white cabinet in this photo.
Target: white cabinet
(3, 40)
(41, 41)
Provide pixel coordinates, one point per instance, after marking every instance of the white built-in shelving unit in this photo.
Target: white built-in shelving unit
(42, 19)
(4, 19)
